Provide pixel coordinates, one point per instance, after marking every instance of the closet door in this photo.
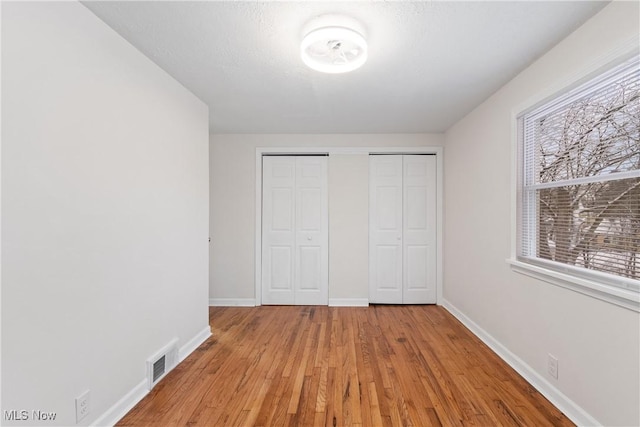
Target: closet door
(385, 229)
(295, 230)
(419, 227)
(278, 229)
(402, 229)
(312, 234)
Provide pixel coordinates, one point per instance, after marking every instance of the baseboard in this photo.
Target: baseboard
(573, 411)
(232, 302)
(348, 302)
(122, 406)
(195, 342)
(129, 400)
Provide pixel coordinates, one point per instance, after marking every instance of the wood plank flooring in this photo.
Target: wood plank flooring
(342, 366)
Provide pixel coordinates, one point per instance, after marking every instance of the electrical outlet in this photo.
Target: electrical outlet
(552, 366)
(82, 406)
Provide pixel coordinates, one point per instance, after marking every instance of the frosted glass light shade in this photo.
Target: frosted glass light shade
(334, 50)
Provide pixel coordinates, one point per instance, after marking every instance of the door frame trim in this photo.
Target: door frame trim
(260, 151)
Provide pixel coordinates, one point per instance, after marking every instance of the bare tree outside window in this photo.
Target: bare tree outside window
(584, 159)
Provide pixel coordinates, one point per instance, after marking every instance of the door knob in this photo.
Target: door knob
(309, 238)
(399, 238)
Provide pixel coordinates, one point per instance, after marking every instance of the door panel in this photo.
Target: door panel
(416, 266)
(295, 230)
(281, 209)
(419, 238)
(310, 264)
(387, 200)
(280, 268)
(278, 232)
(416, 208)
(310, 209)
(402, 221)
(388, 264)
(385, 229)
(312, 232)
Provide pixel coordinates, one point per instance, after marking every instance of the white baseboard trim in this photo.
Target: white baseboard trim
(232, 302)
(122, 406)
(573, 411)
(348, 302)
(195, 342)
(129, 400)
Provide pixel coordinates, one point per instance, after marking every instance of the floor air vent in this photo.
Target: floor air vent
(159, 368)
(162, 362)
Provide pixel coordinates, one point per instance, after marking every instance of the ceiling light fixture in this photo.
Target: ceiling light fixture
(336, 48)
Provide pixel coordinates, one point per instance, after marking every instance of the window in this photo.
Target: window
(579, 192)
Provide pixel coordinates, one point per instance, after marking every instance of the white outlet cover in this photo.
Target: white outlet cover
(82, 406)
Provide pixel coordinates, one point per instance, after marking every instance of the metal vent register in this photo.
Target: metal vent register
(158, 368)
(161, 363)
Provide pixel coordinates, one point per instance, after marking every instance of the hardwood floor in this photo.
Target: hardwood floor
(341, 366)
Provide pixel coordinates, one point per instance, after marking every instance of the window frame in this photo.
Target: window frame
(604, 286)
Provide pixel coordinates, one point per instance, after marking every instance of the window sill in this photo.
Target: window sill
(621, 297)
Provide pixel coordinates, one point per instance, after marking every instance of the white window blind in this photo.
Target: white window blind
(580, 192)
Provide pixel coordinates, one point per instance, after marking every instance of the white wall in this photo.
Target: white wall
(597, 343)
(233, 181)
(349, 236)
(104, 212)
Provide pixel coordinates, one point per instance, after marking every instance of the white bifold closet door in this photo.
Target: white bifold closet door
(402, 229)
(295, 238)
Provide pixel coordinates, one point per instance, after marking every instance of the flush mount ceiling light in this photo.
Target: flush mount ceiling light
(337, 48)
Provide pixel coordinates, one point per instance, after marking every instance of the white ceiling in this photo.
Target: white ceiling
(430, 62)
